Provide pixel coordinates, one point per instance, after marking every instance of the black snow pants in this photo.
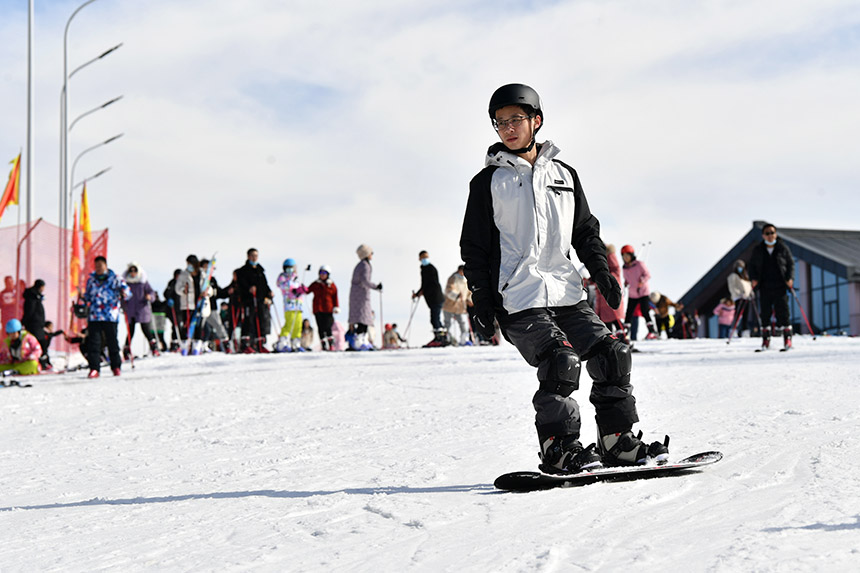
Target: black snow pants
(542, 335)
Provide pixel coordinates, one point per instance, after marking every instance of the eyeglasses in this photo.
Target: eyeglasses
(514, 121)
(766, 233)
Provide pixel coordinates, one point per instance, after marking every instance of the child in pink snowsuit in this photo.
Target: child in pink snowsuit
(725, 312)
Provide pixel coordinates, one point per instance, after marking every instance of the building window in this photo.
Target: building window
(829, 295)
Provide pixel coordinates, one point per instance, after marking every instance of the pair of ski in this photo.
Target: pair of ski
(536, 481)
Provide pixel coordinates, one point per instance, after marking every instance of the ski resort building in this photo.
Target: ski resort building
(826, 280)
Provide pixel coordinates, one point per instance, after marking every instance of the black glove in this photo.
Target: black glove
(482, 316)
(379, 286)
(609, 288)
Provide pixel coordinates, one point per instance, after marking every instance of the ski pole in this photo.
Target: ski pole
(409, 324)
(257, 318)
(381, 320)
(800, 306)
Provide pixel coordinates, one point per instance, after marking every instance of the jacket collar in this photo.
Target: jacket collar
(499, 156)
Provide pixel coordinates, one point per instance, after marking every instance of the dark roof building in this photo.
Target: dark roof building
(827, 279)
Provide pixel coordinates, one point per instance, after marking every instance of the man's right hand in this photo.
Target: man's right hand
(482, 315)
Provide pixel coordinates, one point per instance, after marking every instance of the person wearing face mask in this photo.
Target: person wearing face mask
(255, 297)
(771, 272)
(103, 294)
(431, 290)
(740, 291)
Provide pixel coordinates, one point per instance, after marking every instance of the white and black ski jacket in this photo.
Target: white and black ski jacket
(520, 225)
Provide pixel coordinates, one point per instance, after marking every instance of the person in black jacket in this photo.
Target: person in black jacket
(771, 272)
(33, 318)
(526, 218)
(431, 290)
(255, 296)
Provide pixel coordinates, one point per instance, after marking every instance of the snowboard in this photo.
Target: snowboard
(535, 481)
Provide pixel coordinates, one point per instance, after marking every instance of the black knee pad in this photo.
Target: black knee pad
(611, 364)
(558, 372)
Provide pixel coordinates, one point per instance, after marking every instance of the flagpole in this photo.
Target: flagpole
(29, 169)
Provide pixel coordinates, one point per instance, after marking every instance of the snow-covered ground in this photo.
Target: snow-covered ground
(385, 461)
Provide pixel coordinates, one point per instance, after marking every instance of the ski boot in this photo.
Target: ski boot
(565, 455)
(765, 339)
(440, 338)
(625, 449)
(786, 338)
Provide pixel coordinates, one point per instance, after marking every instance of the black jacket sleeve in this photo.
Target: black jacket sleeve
(586, 239)
(479, 241)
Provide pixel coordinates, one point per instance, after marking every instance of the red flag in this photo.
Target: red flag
(10, 195)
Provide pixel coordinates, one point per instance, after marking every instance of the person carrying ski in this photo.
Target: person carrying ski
(771, 272)
(290, 339)
(526, 215)
(636, 278)
(325, 306)
(20, 351)
(214, 325)
(103, 294)
(431, 290)
(192, 288)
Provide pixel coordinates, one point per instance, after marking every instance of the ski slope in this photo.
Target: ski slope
(384, 461)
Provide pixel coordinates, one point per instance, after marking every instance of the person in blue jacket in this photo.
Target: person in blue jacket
(103, 295)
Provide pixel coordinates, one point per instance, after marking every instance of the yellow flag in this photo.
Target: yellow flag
(85, 224)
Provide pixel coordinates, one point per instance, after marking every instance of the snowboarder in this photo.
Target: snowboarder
(525, 215)
(771, 272)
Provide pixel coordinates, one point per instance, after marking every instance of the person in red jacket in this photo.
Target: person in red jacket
(325, 305)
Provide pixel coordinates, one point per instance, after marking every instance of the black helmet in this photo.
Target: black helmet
(515, 94)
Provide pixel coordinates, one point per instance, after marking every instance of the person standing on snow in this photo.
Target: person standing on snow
(325, 305)
(103, 294)
(431, 290)
(256, 297)
(138, 309)
(458, 299)
(613, 318)
(8, 303)
(740, 291)
(290, 339)
(525, 215)
(636, 278)
(191, 288)
(360, 310)
(772, 274)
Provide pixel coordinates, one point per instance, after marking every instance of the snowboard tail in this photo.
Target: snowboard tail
(535, 481)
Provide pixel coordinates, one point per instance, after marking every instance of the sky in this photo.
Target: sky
(305, 129)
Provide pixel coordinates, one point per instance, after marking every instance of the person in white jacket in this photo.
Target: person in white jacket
(526, 219)
(191, 288)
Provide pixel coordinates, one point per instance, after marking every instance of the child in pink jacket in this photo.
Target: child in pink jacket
(725, 312)
(20, 351)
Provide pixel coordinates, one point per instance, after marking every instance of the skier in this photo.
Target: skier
(360, 310)
(255, 295)
(138, 309)
(431, 290)
(20, 351)
(214, 326)
(325, 305)
(190, 288)
(613, 318)
(772, 273)
(663, 319)
(636, 277)
(458, 299)
(103, 293)
(525, 215)
(740, 290)
(290, 339)
(725, 313)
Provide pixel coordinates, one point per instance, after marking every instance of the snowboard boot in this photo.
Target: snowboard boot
(786, 338)
(565, 455)
(625, 449)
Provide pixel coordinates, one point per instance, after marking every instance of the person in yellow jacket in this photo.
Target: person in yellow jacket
(20, 351)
